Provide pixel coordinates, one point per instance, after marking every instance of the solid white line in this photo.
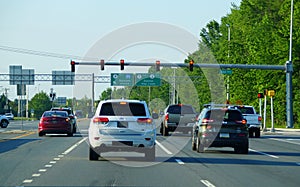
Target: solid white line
(179, 161)
(74, 146)
(280, 140)
(207, 183)
(266, 154)
(163, 148)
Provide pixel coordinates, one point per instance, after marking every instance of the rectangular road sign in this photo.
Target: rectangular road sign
(122, 79)
(62, 78)
(147, 79)
(226, 71)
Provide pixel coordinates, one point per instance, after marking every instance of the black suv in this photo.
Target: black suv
(70, 113)
(220, 127)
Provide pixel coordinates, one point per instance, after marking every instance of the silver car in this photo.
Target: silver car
(122, 125)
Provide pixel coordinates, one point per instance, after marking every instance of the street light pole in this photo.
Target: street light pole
(289, 71)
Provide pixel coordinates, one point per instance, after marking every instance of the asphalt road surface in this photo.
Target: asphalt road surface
(58, 160)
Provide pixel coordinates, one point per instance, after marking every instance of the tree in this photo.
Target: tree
(40, 103)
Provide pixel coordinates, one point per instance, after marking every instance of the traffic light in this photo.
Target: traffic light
(102, 65)
(72, 66)
(265, 91)
(260, 95)
(191, 65)
(157, 65)
(122, 64)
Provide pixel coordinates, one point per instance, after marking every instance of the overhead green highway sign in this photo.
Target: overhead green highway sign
(122, 79)
(147, 79)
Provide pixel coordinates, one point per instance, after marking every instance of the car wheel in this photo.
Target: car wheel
(4, 124)
(257, 133)
(242, 149)
(199, 146)
(41, 134)
(251, 133)
(70, 134)
(74, 129)
(165, 131)
(93, 155)
(193, 142)
(150, 154)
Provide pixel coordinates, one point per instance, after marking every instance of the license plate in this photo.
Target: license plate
(224, 135)
(122, 124)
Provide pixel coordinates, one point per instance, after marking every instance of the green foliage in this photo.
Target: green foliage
(259, 34)
(40, 103)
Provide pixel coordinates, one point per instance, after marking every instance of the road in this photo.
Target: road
(58, 160)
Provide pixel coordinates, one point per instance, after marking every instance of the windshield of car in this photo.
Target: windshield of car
(121, 109)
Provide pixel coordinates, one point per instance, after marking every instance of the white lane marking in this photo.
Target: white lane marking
(27, 181)
(286, 141)
(266, 154)
(207, 183)
(52, 162)
(163, 148)
(42, 170)
(179, 161)
(36, 174)
(48, 166)
(60, 156)
(56, 159)
(74, 146)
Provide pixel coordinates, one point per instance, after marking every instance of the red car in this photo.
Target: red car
(55, 122)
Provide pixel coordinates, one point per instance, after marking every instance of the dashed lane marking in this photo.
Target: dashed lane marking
(207, 183)
(179, 161)
(27, 181)
(266, 154)
(163, 148)
(36, 174)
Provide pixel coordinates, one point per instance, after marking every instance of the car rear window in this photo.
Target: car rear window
(246, 110)
(227, 115)
(55, 114)
(177, 109)
(122, 109)
(61, 109)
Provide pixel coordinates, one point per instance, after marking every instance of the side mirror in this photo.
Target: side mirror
(155, 116)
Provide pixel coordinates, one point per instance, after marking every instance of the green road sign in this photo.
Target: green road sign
(226, 71)
(147, 79)
(122, 79)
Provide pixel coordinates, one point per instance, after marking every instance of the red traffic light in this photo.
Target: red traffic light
(191, 65)
(157, 65)
(122, 64)
(102, 65)
(72, 66)
(260, 95)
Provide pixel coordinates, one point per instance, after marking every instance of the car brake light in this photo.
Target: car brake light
(100, 120)
(208, 127)
(167, 117)
(205, 120)
(144, 120)
(259, 118)
(67, 120)
(244, 121)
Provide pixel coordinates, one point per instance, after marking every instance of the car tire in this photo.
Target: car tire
(242, 149)
(199, 146)
(251, 133)
(93, 155)
(257, 133)
(41, 134)
(165, 131)
(4, 123)
(193, 142)
(74, 129)
(70, 134)
(150, 154)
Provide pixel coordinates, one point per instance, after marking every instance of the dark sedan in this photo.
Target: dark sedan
(55, 122)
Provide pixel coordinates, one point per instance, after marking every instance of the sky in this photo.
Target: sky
(93, 28)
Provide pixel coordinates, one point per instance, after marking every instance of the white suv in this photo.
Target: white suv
(122, 125)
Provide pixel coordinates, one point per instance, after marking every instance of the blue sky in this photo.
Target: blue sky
(72, 27)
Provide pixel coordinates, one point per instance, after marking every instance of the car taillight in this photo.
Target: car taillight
(100, 120)
(205, 120)
(67, 120)
(144, 120)
(167, 117)
(259, 118)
